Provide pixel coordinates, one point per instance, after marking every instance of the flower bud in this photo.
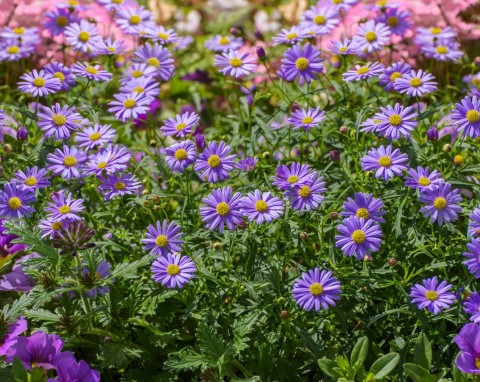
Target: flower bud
(234, 31)
(447, 148)
(200, 141)
(284, 314)
(303, 235)
(22, 134)
(241, 224)
(343, 130)
(392, 261)
(334, 215)
(217, 246)
(477, 60)
(458, 160)
(259, 35)
(295, 106)
(335, 156)
(7, 148)
(432, 134)
(153, 143)
(266, 155)
(261, 53)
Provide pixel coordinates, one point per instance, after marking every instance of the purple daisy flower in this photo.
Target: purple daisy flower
(362, 72)
(434, 34)
(111, 5)
(432, 295)
(392, 73)
(468, 340)
(214, 163)
(307, 195)
(60, 71)
(92, 72)
(415, 83)
(57, 21)
(64, 207)
(371, 36)
(15, 201)
(261, 206)
(441, 203)
(33, 178)
(157, 57)
(12, 50)
(290, 36)
(128, 106)
(148, 87)
(474, 223)
(289, 178)
(39, 84)
(466, 116)
(163, 239)
(316, 289)
(67, 163)
(220, 43)
(139, 71)
(180, 126)
(111, 159)
(173, 271)
(180, 155)
(422, 178)
(472, 307)
(118, 184)
(306, 118)
(82, 36)
(91, 278)
(68, 369)
(162, 36)
(51, 228)
(59, 121)
(98, 135)
(134, 20)
(473, 258)
(323, 18)
(397, 21)
(386, 161)
(358, 237)
(235, 63)
(222, 208)
(247, 164)
(344, 47)
(396, 122)
(110, 47)
(302, 63)
(364, 206)
(26, 35)
(343, 4)
(447, 52)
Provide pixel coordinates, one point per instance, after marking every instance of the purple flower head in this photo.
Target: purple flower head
(163, 238)
(344, 47)
(440, 203)
(397, 21)
(468, 340)
(173, 271)
(473, 257)
(222, 208)
(17, 280)
(343, 4)
(235, 63)
(157, 57)
(394, 122)
(415, 83)
(364, 206)
(180, 155)
(358, 237)
(446, 51)
(434, 35)
(323, 18)
(422, 178)
(432, 295)
(472, 307)
(15, 201)
(316, 289)
(290, 36)
(162, 36)
(82, 36)
(128, 106)
(214, 163)
(57, 21)
(39, 84)
(392, 73)
(7, 248)
(33, 178)
(111, 159)
(111, 5)
(306, 119)
(13, 50)
(371, 36)
(220, 43)
(69, 370)
(110, 47)
(474, 223)
(302, 63)
(247, 164)
(432, 134)
(261, 207)
(91, 277)
(64, 207)
(137, 71)
(51, 228)
(92, 72)
(466, 116)
(181, 125)
(148, 87)
(9, 336)
(91, 137)
(59, 121)
(307, 195)
(68, 162)
(289, 178)
(60, 71)
(134, 20)
(362, 72)
(118, 184)
(386, 161)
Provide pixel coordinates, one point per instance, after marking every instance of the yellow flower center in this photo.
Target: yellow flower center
(14, 203)
(224, 41)
(138, 89)
(111, 49)
(416, 82)
(180, 126)
(73, 3)
(31, 181)
(458, 160)
(473, 116)
(304, 191)
(119, 186)
(363, 70)
(214, 161)
(261, 206)
(319, 19)
(392, 21)
(94, 136)
(173, 269)
(39, 82)
(129, 103)
(59, 119)
(395, 119)
(441, 49)
(423, 181)
(316, 289)
(135, 19)
(343, 49)
(384, 161)
(362, 213)
(358, 236)
(163, 36)
(161, 241)
(223, 208)
(236, 62)
(440, 203)
(291, 36)
(102, 165)
(382, 3)
(137, 73)
(117, 1)
(301, 63)
(435, 30)
(292, 179)
(59, 75)
(84, 36)
(69, 161)
(153, 61)
(477, 362)
(62, 21)
(91, 70)
(431, 295)
(181, 154)
(64, 209)
(337, 1)
(394, 76)
(56, 226)
(307, 120)
(19, 30)
(371, 36)
(13, 49)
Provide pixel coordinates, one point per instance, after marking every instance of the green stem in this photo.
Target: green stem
(83, 295)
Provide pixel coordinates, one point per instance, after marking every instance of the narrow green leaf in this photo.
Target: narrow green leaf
(423, 352)
(384, 365)
(418, 373)
(327, 366)
(359, 353)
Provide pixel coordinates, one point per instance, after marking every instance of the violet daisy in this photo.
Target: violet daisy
(60, 71)
(57, 21)
(180, 155)
(392, 73)
(434, 34)
(221, 43)
(235, 63)
(261, 207)
(364, 206)
(324, 18)
(132, 20)
(118, 184)
(358, 237)
(345, 46)
(64, 207)
(343, 4)
(181, 125)
(68, 162)
(39, 84)
(33, 178)
(91, 137)
(466, 116)
(290, 36)
(289, 178)
(447, 52)
(15, 201)
(128, 106)
(59, 121)
(50, 227)
(214, 163)
(138, 71)
(173, 271)
(110, 47)
(474, 223)
(222, 208)
(162, 36)
(472, 307)
(12, 50)
(396, 122)
(302, 63)
(432, 295)
(163, 238)
(371, 36)
(247, 164)
(146, 86)
(307, 195)
(440, 203)
(386, 161)
(111, 159)
(415, 83)
(92, 72)
(397, 21)
(111, 5)
(316, 289)
(91, 277)
(422, 178)
(157, 57)
(306, 119)
(473, 258)
(82, 36)
(362, 72)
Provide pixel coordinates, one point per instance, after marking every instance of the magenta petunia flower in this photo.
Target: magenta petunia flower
(173, 271)
(385, 161)
(118, 184)
(11, 332)
(163, 238)
(17, 280)
(39, 84)
(440, 203)
(33, 178)
(371, 36)
(302, 63)
(128, 106)
(180, 155)
(222, 208)
(466, 116)
(15, 201)
(415, 83)
(59, 121)
(422, 178)
(157, 57)
(69, 370)
(91, 137)
(364, 206)
(235, 63)
(261, 207)
(215, 162)
(432, 295)
(7, 248)
(468, 340)
(92, 72)
(358, 237)
(362, 72)
(306, 119)
(181, 125)
(82, 36)
(68, 162)
(64, 207)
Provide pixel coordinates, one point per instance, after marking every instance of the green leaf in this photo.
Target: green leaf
(359, 353)
(187, 361)
(128, 270)
(384, 365)
(19, 372)
(423, 352)
(327, 366)
(30, 237)
(418, 373)
(42, 315)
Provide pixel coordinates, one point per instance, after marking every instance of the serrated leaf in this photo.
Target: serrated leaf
(187, 361)
(42, 315)
(423, 352)
(30, 237)
(384, 365)
(129, 269)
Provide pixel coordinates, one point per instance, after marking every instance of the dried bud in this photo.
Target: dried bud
(303, 235)
(7, 148)
(447, 147)
(316, 246)
(22, 134)
(227, 300)
(284, 314)
(343, 129)
(241, 224)
(335, 156)
(217, 246)
(334, 215)
(266, 155)
(155, 198)
(295, 106)
(153, 143)
(145, 192)
(392, 261)
(200, 141)
(458, 160)
(147, 203)
(261, 53)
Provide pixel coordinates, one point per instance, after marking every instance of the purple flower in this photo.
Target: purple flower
(344, 47)
(468, 340)
(110, 47)
(69, 370)
(163, 239)
(474, 223)
(220, 43)
(111, 159)
(13, 50)
(440, 203)
(261, 207)
(139, 71)
(118, 184)
(67, 163)
(371, 36)
(343, 4)
(129, 105)
(302, 63)
(147, 86)
(434, 34)
(323, 18)
(473, 258)
(432, 134)
(290, 178)
(222, 208)
(7, 248)
(92, 72)
(290, 36)
(235, 63)
(157, 57)
(247, 164)
(364, 206)
(432, 295)
(386, 161)
(316, 289)
(397, 21)
(17, 280)
(57, 21)
(472, 307)
(173, 271)
(91, 137)
(362, 72)
(64, 207)
(308, 194)
(306, 118)
(33, 178)
(111, 5)
(59, 121)
(134, 20)
(181, 125)
(50, 227)
(60, 71)
(395, 122)
(448, 51)
(392, 73)
(422, 178)
(466, 116)
(15, 201)
(180, 155)
(92, 277)
(162, 36)
(9, 336)
(39, 84)
(415, 83)
(214, 163)
(82, 36)
(358, 237)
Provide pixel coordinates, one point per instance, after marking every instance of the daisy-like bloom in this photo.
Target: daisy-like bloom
(386, 161)
(371, 36)
(118, 184)
(57, 21)
(432, 295)
(473, 258)
(13, 50)
(157, 57)
(447, 52)
(290, 178)
(358, 237)
(64, 207)
(308, 195)
(20, 33)
(148, 87)
(392, 73)
(261, 206)
(60, 71)
(290, 36)
(110, 47)
(247, 164)
(128, 106)
(364, 206)
(302, 63)
(67, 163)
(235, 63)
(343, 4)
(92, 72)
(344, 47)
(59, 121)
(91, 137)
(214, 163)
(15, 201)
(396, 122)
(422, 178)
(82, 36)
(181, 125)
(397, 21)
(472, 307)
(111, 5)
(180, 155)
(92, 277)
(324, 19)
(134, 20)
(39, 84)
(415, 83)
(362, 72)
(50, 227)
(316, 289)
(33, 178)
(441, 203)
(162, 239)
(474, 223)
(137, 71)
(111, 159)
(466, 116)
(161, 35)
(434, 34)
(221, 43)
(173, 271)
(222, 208)
(306, 119)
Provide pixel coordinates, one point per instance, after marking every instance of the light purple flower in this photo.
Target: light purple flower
(468, 340)
(422, 178)
(128, 106)
(415, 83)
(15, 201)
(440, 203)
(362, 72)
(222, 208)
(364, 206)
(33, 178)
(466, 116)
(64, 207)
(91, 137)
(173, 271)
(261, 207)
(302, 63)
(82, 36)
(39, 84)
(118, 184)
(215, 162)
(92, 72)
(68, 162)
(432, 295)
(306, 119)
(59, 121)
(316, 289)
(358, 237)
(385, 161)
(181, 125)
(180, 155)
(235, 63)
(371, 36)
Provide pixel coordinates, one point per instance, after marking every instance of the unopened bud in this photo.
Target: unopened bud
(22, 134)
(217, 246)
(447, 147)
(153, 143)
(335, 156)
(266, 155)
(392, 261)
(458, 160)
(303, 235)
(284, 314)
(200, 141)
(343, 129)
(432, 134)
(334, 215)
(241, 224)
(7, 148)
(261, 53)
(295, 106)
